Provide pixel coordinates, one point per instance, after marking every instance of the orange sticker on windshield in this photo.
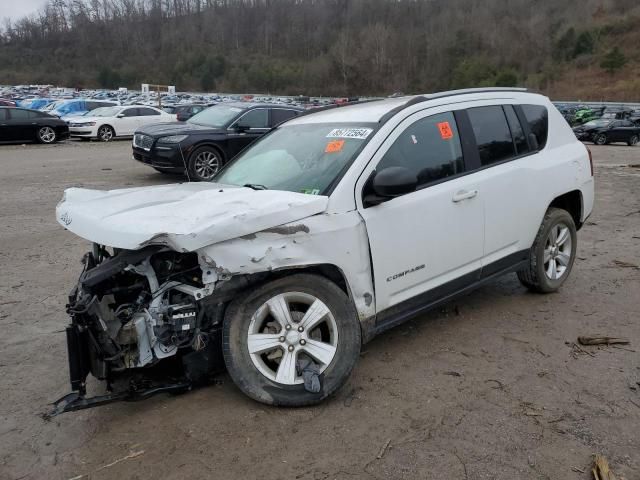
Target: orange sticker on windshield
(334, 147)
(445, 130)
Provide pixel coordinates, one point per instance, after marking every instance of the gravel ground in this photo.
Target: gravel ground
(488, 387)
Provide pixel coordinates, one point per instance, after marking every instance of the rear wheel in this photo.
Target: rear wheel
(47, 135)
(106, 133)
(286, 330)
(204, 164)
(552, 254)
(601, 139)
(633, 141)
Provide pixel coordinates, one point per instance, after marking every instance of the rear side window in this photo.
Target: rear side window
(33, 114)
(538, 119)
(429, 148)
(519, 138)
(492, 133)
(279, 115)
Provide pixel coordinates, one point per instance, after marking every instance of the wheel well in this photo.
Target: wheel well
(212, 145)
(328, 271)
(106, 125)
(572, 203)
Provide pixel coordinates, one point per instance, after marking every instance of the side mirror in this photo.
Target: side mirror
(389, 183)
(241, 128)
(120, 115)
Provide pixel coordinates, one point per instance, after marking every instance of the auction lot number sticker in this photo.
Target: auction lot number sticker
(358, 133)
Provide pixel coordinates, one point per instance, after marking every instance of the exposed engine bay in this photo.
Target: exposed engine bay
(133, 309)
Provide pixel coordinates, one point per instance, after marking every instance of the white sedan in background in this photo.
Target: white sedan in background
(106, 123)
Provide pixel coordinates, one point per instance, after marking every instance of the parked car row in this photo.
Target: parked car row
(204, 143)
(23, 125)
(604, 131)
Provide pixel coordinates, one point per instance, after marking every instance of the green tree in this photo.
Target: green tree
(613, 61)
(585, 44)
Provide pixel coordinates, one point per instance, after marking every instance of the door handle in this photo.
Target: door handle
(464, 195)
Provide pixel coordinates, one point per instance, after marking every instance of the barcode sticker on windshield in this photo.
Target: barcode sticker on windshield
(358, 133)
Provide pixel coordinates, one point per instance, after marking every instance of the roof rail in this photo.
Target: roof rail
(336, 105)
(450, 93)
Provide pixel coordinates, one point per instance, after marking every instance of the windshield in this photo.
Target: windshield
(218, 116)
(104, 112)
(298, 158)
(53, 105)
(597, 123)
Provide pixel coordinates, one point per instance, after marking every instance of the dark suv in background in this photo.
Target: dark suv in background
(204, 143)
(185, 112)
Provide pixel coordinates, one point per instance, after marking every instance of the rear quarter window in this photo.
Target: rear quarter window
(538, 119)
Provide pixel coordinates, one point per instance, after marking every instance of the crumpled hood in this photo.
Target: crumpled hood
(185, 216)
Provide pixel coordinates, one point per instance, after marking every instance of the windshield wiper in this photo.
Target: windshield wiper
(255, 186)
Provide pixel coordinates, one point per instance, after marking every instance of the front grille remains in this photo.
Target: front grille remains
(144, 142)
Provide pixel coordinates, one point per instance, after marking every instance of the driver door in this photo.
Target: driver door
(430, 242)
(249, 127)
(128, 122)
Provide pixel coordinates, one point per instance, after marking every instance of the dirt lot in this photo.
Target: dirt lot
(485, 388)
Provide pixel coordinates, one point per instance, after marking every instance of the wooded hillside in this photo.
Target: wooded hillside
(331, 47)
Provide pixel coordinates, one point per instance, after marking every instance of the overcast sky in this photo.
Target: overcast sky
(19, 8)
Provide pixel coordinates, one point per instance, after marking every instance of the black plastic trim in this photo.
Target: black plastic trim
(419, 304)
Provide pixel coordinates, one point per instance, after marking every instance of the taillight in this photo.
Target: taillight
(590, 160)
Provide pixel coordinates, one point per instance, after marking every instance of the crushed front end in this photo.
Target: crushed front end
(143, 321)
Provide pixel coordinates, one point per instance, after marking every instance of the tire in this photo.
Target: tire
(539, 276)
(633, 141)
(259, 376)
(600, 139)
(47, 135)
(204, 163)
(106, 133)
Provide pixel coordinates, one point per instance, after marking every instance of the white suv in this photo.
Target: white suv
(334, 227)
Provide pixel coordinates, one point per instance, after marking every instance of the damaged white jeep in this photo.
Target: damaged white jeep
(337, 225)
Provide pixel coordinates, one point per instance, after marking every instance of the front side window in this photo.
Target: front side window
(298, 158)
(17, 114)
(492, 133)
(258, 118)
(429, 148)
(538, 119)
(130, 112)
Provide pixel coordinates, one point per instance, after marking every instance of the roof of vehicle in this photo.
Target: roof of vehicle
(380, 110)
(248, 105)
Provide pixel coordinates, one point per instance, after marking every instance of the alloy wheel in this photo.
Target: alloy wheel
(47, 134)
(206, 164)
(557, 251)
(105, 134)
(287, 329)
(601, 139)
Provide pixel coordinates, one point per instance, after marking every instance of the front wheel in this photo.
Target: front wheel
(633, 141)
(292, 341)
(204, 164)
(106, 133)
(552, 254)
(46, 135)
(600, 139)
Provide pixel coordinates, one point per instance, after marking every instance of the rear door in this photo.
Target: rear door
(505, 155)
